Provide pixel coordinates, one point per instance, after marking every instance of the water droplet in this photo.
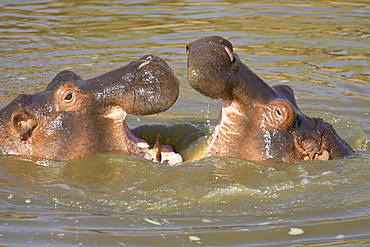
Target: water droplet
(207, 113)
(295, 231)
(152, 222)
(194, 239)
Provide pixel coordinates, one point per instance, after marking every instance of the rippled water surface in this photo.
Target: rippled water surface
(319, 48)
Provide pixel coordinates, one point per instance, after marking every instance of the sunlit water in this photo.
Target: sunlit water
(319, 48)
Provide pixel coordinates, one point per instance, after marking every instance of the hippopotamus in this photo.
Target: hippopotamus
(257, 122)
(73, 117)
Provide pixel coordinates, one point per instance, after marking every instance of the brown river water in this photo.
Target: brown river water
(319, 48)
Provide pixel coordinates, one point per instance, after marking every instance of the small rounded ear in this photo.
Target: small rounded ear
(286, 92)
(63, 77)
(23, 125)
(282, 114)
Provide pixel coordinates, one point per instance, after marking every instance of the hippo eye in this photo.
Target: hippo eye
(278, 111)
(68, 97)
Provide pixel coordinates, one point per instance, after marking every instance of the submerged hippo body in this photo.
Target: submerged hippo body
(257, 122)
(73, 117)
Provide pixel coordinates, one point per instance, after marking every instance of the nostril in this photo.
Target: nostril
(298, 122)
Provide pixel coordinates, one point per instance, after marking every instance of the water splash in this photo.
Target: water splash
(207, 113)
(266, 139)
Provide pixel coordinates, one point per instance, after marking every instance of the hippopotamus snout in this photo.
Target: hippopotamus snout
(211, 59)
(143, 87)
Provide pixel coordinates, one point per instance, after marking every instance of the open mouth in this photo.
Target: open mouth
(163, 153)
(158, 152)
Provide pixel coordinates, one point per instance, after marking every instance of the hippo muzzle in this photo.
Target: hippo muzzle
(143, 87)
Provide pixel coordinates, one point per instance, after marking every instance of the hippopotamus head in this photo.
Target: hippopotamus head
(74, 117)
(257, 122)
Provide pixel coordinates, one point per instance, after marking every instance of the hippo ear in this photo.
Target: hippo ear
(281, 114)
(287, 92)
(23, 125)
(63, 77)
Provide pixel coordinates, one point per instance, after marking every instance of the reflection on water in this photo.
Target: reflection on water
(319, 48)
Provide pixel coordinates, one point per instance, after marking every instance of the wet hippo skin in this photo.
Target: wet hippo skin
(257, 122)
(73, 117)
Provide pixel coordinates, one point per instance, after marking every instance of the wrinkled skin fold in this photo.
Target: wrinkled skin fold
(257, 122)
(73, 117)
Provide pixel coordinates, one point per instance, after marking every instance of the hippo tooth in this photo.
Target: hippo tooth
(230, 53)
(143, 64)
